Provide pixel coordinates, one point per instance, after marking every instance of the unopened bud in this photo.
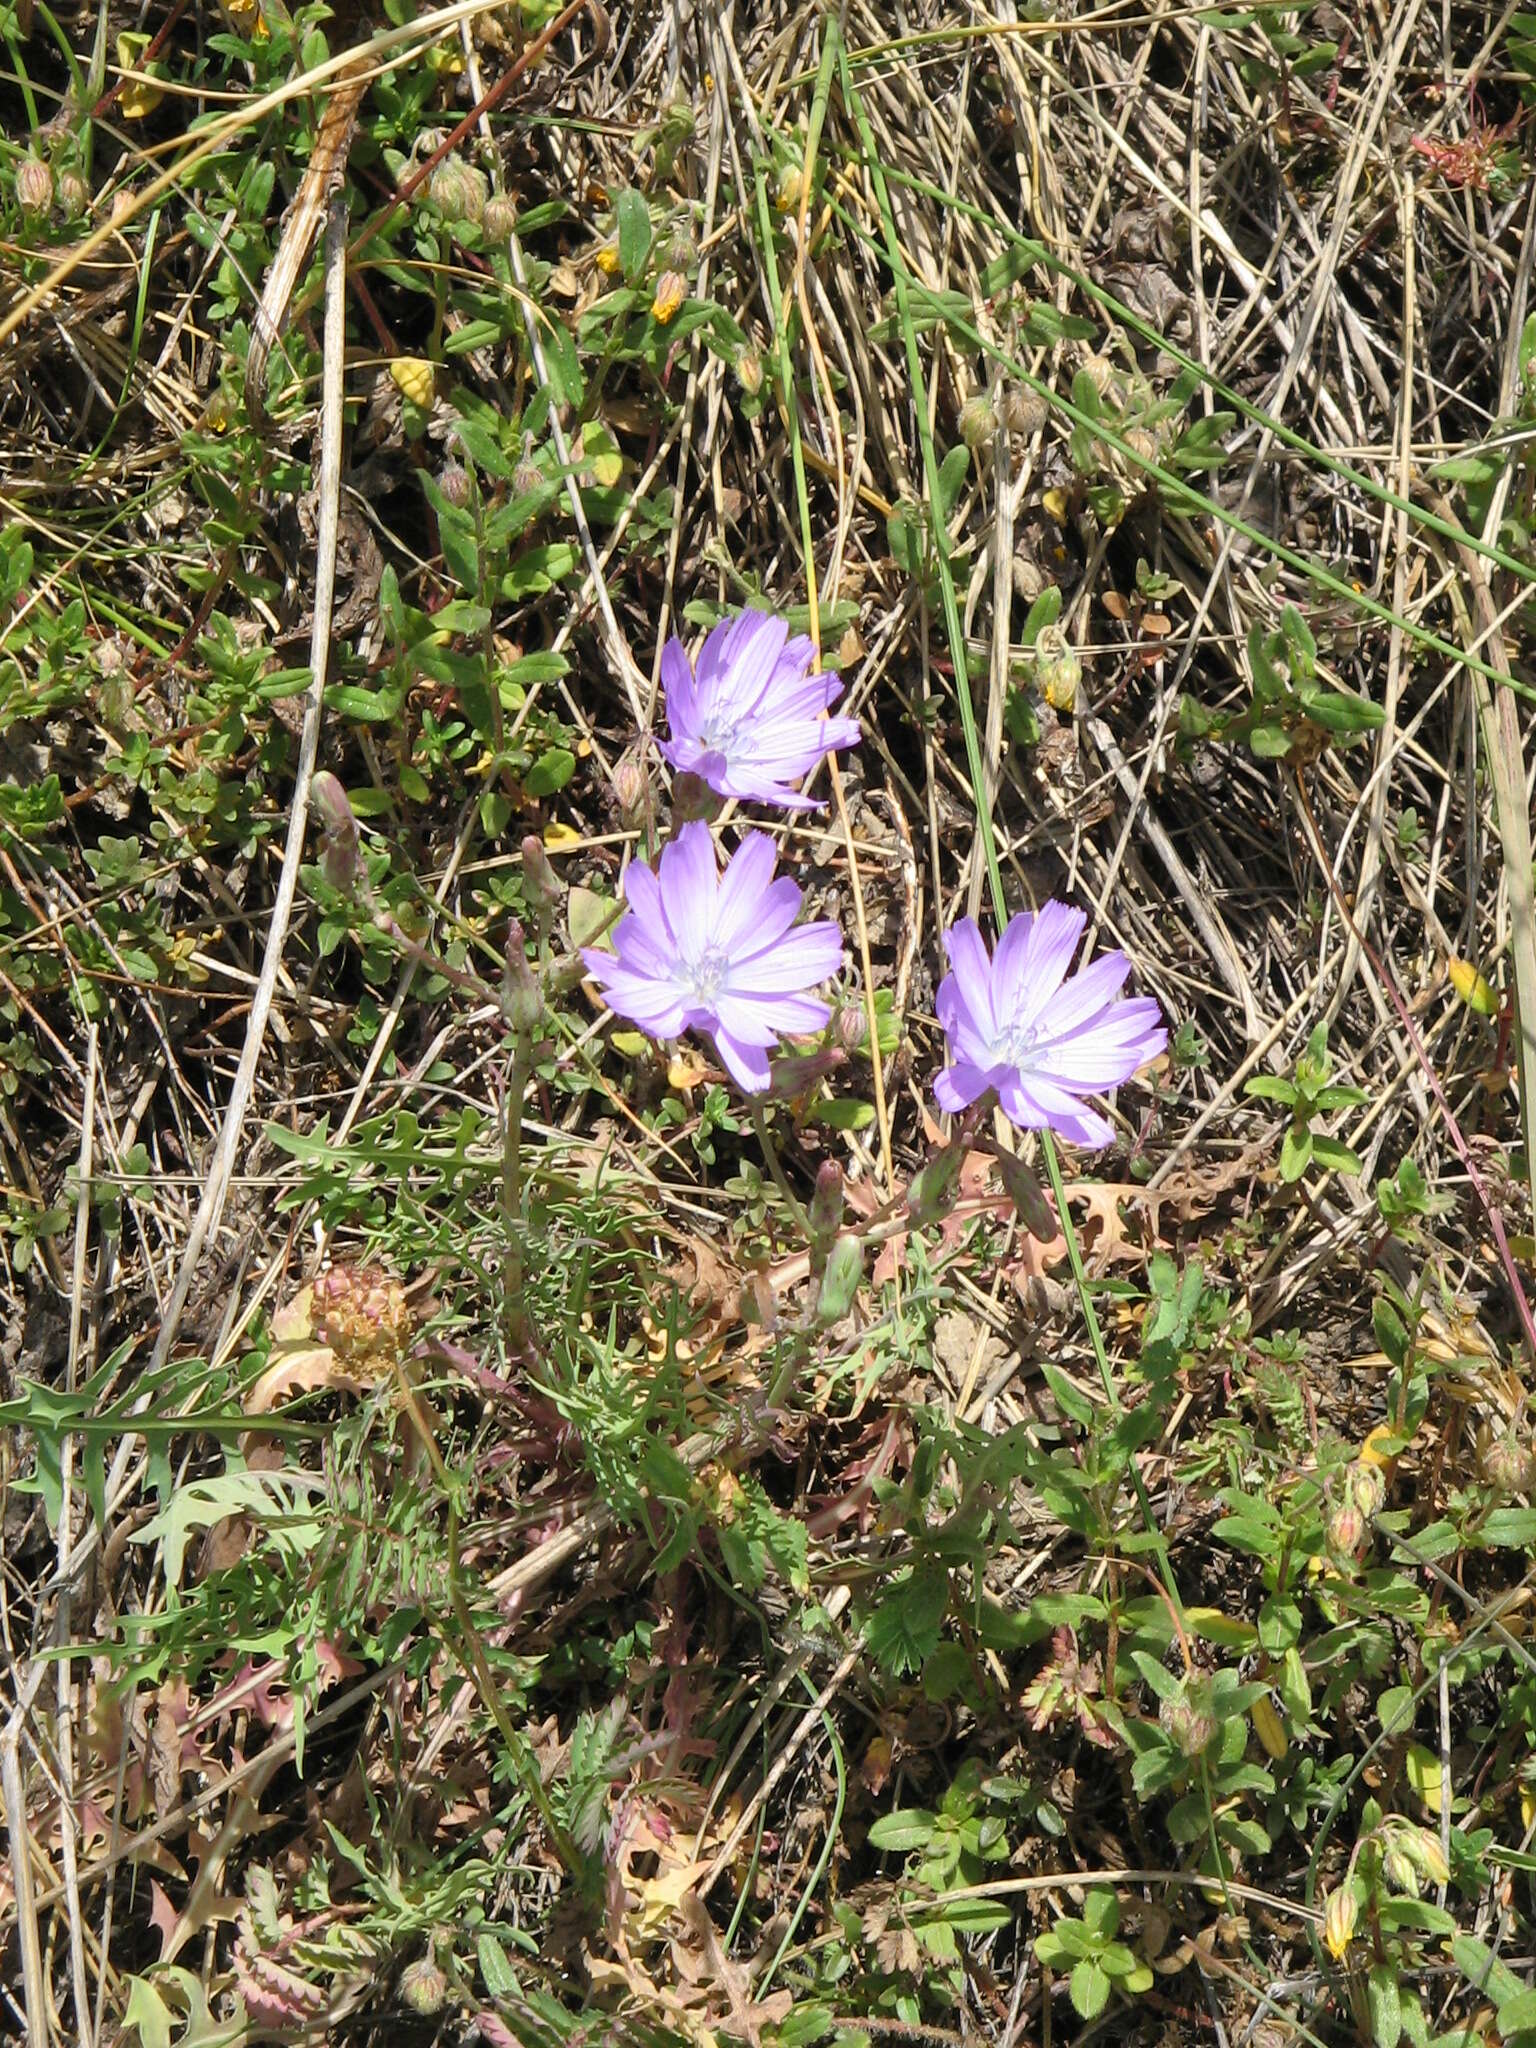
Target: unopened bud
(931, 1194)
(825, 1211)
(458, 190)
(521, 1002)
(499, 221)
(1367, 1487)
(630, 787)
(74, 195)
(671, 291)
(1058, 670)
(453, 480)
(1144, 446)
(339, 862)
(1339, 1917)
(749, 371)
(423, 1987)
(1028, 1197)
(978, 422)
(676, 123)
(789, 188)
(679, 254)
(852, 1027)
(1425, 1853)
(1344, 1530)
(526, 477)
(795, 1074)
(34, 185)
(840, 1281)
(541, 885)
(1397, 1868)
(1190, 1716)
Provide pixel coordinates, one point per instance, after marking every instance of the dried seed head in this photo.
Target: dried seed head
(1024, 412)
(458, 190)
(1506, 1464)
(34, 185)
(1029, 579)
(423, 1987)
(1190, 1716)
(978, 422)
(362, 1314)
(499, 221)
(1143, 445)
(1100, 372)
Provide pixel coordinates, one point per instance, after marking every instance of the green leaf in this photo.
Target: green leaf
(1295, 1151)
(1337, 1158)
(496, 1973)
(1386, 2010)
(148, 2013)
(634, 222)
(1089, 1988)
(908, 1828)
(904, 1629)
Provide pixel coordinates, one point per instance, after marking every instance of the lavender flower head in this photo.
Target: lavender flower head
(1017, 1022)
(700, 951)
(748, 720)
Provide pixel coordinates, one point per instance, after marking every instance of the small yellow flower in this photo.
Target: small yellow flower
(558, 837)
(1472, 987)
(607, 259)
(671, 291)
(1339, 1917)
(415, 379)
(139, 96)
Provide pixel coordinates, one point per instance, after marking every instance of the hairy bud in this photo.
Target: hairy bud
(458, 190)
(1339, 1917)
(423, 1987)
(340, 862)
(671, 291)
(931, 1195)
(499, 221)
(1344, 1530)
(74, 195)
(1190, 1716)
(454, 481)
(1367, 1487)
(630, 787)
(1506, 1464)
(749, 370)
(826, 1205)
(978, 422)
(34, 185)
(1397, 1868)
(840, 1281)
(1028, 1197)
(521, 1000)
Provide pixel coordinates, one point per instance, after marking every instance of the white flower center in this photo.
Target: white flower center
(708, 974)
(717, 735)
(1012, 1047)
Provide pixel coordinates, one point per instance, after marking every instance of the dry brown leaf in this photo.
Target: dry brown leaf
(299, 1364)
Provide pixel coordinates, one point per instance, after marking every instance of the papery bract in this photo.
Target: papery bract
(747, 720)
(1043, 1038)
(697, 950)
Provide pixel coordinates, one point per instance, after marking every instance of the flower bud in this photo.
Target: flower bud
(1190, 1717)
(749, 370)
(74, 195)
(1144, 446)
(423, 1987)
(527, 477)
(1367, 1487)
(454, 481)
(679, 253)
(1425, 1853)
(789, 188)
(676, 123)
(34, 185)
(931, 1194)
(630, 787)
(458, 190)
(1058, 671)
(825, 1210)
(671, 291)
(339, 859)
(541, 885)
(840, 1281)
(499, 222)
(978, 422)
(1339, 1917)
(1397, 1868)
(1344, 1530)
(362, 1314)
(1028, 1197)
(521, 1002)
(794, 1074)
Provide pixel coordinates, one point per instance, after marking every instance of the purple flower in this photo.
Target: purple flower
(701, 951)
(1018, 1023)
(748, 720)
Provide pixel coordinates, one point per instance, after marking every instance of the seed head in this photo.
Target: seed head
(1024, 412)
(499, 221)
(362, 1314)
(458, 190)
(978, 422)
(423, 1986)
(74, 195)
(453, 481)
(1506, 1464)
